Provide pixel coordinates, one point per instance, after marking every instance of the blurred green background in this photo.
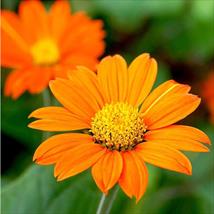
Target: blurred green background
(180, 35)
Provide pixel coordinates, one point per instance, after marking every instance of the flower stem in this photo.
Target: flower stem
(46, 98)
(106, 202)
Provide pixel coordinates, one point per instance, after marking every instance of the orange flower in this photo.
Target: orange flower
(123, 126)
(41, 45)
(208, 94)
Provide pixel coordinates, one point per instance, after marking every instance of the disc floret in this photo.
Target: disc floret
(118, 126)
(45, 52)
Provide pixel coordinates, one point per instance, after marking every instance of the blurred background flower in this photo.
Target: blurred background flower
(208, 94)
(180, 35)
(41, 45)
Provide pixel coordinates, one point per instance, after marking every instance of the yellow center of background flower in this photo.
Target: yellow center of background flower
(45, 52)
(118, 126)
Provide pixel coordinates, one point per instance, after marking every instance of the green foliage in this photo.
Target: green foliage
(36, 191)
(15, 119)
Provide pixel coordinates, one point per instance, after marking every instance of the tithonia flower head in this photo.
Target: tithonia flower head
(123, 125)
(41, 45)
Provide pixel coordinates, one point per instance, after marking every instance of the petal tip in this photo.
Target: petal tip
(30, 125)
(138, 199)
(31, 115)
(58, 179)
(145, 55)
(188, 171)
(51, 82)
(34, 158)
(205, 149)
(15, 96)
(209, 142)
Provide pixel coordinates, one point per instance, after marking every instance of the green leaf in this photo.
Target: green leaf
(15, 119)
(37, 191)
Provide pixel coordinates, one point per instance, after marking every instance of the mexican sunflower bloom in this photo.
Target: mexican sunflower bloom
(41, 45)
(123, 125)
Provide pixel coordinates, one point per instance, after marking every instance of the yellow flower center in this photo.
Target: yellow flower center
(118, 126)
(45, 52)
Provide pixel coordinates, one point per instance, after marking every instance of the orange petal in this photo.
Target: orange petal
(56, 119)
(61, 71)
(11, 78)
(167, 110)
(113, 78)
(164, 156)
(179, 137)
(30, 11)
(73, 99)
(16, 83)
(97, 173)
(75, 41)
(72, 60)
(134, 177)
(78, 159)
(52, 149)
(27, 79)
(142, 74)
(59, 15)
(107, 170)
(166, 89)
(12, 84)
(11, 25)
(14, 49)
(38, 79)
(87, 80)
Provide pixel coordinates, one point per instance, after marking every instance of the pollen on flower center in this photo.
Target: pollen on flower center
(118, 126)
(45, 52)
